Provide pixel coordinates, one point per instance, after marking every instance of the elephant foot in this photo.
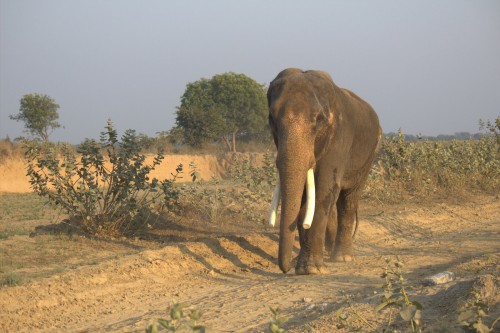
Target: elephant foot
(329, 248)
(310, 266)
(310, 270)
(342, 254)
(343, 258)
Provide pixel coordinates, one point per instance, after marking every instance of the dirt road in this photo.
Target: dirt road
(234, 279)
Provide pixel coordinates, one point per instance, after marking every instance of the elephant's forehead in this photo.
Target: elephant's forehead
(298, 90)
(296, 107)
(293, 113)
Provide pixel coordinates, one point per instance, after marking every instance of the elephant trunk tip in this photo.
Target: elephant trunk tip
(285, 266)
(284, 262)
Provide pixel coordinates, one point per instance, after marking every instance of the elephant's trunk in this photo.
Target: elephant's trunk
(292, 172)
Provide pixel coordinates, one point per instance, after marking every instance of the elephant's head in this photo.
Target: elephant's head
(302, 123)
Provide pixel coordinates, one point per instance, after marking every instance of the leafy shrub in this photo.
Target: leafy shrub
(424, 167)
(245, 194)
(259, 180)
(405, 167)
(205, 198)
(106, 188)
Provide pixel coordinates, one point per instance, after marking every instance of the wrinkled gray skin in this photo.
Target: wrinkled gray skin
(316, 124)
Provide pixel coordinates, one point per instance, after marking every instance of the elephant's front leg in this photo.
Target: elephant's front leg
(310, 260)
(346, 209)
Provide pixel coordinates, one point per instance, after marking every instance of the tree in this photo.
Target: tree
(200, 125)
(226, 106)
(39, 114)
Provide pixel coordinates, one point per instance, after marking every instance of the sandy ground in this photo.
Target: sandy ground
(233, 278)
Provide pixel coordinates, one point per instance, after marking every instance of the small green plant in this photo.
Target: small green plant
(106, 189)
(346, 320)
(193, 172)
(471, 319)
(396, 296)
(276, 321)
(179, 321)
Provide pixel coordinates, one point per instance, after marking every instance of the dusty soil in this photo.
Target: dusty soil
(229, 272)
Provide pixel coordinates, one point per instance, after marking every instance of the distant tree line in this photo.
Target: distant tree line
(440, 137)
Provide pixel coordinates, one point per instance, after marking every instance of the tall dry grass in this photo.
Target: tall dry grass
(10, 150)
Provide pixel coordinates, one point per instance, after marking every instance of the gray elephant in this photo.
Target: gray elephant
(327, 139)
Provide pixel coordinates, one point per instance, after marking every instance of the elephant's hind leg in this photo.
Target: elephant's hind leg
(331, 230)
(346, 210)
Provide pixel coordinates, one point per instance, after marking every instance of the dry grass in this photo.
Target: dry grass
(56, 247)
(10, 150)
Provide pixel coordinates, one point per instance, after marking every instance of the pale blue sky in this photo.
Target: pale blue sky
(430, 67)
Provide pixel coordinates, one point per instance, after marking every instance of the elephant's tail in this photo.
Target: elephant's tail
(356, 225)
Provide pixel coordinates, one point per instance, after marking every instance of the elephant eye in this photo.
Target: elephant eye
(322, 115)
(320, 120)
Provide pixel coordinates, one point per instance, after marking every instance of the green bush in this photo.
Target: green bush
(207, 199)
(259, 180)
(424, 167)
(105, 188)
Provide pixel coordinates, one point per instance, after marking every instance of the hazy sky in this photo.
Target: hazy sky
(427, 67)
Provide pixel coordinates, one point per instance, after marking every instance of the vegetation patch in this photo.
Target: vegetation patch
(103, 201)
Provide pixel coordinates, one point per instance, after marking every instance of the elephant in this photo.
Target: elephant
(327, 139)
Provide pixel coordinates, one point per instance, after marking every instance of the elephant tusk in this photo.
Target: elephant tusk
(311, 199)
(274, 204)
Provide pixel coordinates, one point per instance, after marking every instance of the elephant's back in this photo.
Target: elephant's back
(361, 110)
